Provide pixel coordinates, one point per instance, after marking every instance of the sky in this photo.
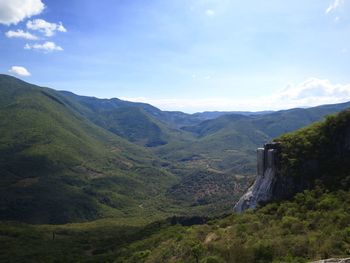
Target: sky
(187, 55)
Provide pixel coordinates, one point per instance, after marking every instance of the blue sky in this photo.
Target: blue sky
(189, 55)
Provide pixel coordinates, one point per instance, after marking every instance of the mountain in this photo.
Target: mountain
(227, 144)
(272, 124)
(56, 166)
(207, 115)
(184, 139)
(122, 159)
(90, 106)
(305, 176)
(304, 225)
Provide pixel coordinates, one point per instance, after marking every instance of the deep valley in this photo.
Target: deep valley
(84, 179)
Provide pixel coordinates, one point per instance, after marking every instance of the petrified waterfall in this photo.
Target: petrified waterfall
(263, 188)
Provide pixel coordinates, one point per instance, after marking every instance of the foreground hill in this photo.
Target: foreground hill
(311, 225)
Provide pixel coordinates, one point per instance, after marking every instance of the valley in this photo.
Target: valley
(96, 180)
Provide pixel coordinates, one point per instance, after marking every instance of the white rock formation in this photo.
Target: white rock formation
(263, 188)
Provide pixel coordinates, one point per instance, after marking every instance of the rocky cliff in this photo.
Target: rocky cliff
(318, 154)
(263, 189)
(334, 260)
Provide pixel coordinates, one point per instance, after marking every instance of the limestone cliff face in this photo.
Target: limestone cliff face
(319, 154)
(269, 184)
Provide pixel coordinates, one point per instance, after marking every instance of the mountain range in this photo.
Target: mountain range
(133, 202)
(69, 158)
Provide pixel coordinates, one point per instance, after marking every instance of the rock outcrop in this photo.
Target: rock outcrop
(333, 260)
(317, 155)
(263, 190)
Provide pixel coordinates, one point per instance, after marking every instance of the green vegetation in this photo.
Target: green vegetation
(106, 174)
(314, 225)
(211, 192)
(68, 158)
(319, 152)
(58, 167)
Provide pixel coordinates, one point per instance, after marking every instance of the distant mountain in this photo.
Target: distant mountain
(173, 119)
(207, 115)
(271, 123)
(228, 142)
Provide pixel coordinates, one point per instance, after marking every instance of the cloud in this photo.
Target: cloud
(314, 92)
(311, 92)
(14, 11)
(20, 71)
(48, 46)
(335, 4)
(48, 29)
(209, 12)
(20, 34)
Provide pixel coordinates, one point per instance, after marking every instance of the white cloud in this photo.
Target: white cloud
(20, 34)
(335, 4)
(311, 92)
(48, 29)
(20, 71)
(314, 92)
(209, 12)
(48, 46)
(14, 11)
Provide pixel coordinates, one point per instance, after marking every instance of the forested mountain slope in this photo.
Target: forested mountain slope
(56, 166)
(124, 159)
(311, 225)
(308, 219)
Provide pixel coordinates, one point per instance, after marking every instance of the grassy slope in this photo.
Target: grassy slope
(56, 166)
(217, 154)
(52, 151)
(314, 225)
(139, 123)
(51, 154)
(225, 144)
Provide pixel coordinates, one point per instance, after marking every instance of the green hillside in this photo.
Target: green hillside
(219, 142)
(94, 108)
(58, 167)
(228, 143)
(68, 158)
(313, 225)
